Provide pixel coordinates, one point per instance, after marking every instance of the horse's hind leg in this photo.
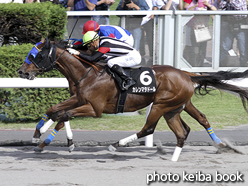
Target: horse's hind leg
(151, 123)
(201, 118)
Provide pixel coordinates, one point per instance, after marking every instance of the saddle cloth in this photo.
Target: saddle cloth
(145, 80)
(145, 83)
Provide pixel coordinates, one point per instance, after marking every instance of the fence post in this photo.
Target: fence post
(149, 138)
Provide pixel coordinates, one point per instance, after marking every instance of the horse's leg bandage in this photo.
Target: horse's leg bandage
(46, 126)
(176, 153)
(68, 130)
(42, 121)
(213, 136)
(51, 136)
(128, 139)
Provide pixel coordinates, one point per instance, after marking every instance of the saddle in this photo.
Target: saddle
(145, 84)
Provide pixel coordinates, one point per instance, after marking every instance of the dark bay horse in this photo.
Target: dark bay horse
(93, 96)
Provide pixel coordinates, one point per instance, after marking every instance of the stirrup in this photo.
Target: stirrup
(126, 86)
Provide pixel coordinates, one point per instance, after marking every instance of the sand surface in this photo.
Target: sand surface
(129, 166)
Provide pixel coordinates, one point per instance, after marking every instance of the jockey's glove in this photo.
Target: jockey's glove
(73, 51)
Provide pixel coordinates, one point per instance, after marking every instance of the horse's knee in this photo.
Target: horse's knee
(57, 115)
(66, 116)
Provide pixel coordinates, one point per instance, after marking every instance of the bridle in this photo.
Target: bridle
(46, 59)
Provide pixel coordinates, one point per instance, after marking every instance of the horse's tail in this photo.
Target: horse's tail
(217, 80)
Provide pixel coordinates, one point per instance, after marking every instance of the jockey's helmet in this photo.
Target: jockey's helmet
(89, 37)
(90, 26)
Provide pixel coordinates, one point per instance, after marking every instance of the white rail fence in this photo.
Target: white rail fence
(36, 83)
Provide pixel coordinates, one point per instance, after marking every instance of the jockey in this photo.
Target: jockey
(118, 54)
(109, 30)
(106, 30)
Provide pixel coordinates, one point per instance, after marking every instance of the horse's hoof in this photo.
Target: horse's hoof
(71, 148)
(38, 149)
(221, 144)
(111, 148)
(35, 140)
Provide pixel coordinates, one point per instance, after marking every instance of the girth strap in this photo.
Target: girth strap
(121, 102)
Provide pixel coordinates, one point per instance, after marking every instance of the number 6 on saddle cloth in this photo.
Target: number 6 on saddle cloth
(145, 83)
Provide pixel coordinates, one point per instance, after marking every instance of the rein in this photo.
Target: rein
(92, 65)
(83, 77)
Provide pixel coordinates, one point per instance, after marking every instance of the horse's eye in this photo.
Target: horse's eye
(31, 57)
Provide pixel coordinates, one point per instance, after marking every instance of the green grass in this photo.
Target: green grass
(222, 110)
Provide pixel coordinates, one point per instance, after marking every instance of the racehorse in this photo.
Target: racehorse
(174, 91)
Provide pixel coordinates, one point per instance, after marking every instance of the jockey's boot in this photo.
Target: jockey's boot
(128, 81)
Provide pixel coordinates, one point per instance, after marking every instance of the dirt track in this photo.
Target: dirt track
(130, 166)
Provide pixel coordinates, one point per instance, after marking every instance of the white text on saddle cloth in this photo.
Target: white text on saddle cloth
(143, 89)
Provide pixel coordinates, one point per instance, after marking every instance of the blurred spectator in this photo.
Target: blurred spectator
(188, 28)
(161, 5)
(168, 4)
(63, 2)
(197, 54)
(133, 22)
(79, 5)
(147, 36)
(231, 27)
(186, 4)
(101, 6)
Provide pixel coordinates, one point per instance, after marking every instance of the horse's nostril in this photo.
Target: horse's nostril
(26, 74)
(19, 72)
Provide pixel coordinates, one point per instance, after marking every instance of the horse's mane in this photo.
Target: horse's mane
(61, 44)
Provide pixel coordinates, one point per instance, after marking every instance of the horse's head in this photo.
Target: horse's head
(30, 57)
(45, 60)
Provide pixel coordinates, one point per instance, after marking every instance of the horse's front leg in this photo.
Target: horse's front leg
(82, 111)
(45, 122)
(48, 140)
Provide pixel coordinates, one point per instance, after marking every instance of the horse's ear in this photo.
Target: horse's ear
(43, 40)
(47, 43)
